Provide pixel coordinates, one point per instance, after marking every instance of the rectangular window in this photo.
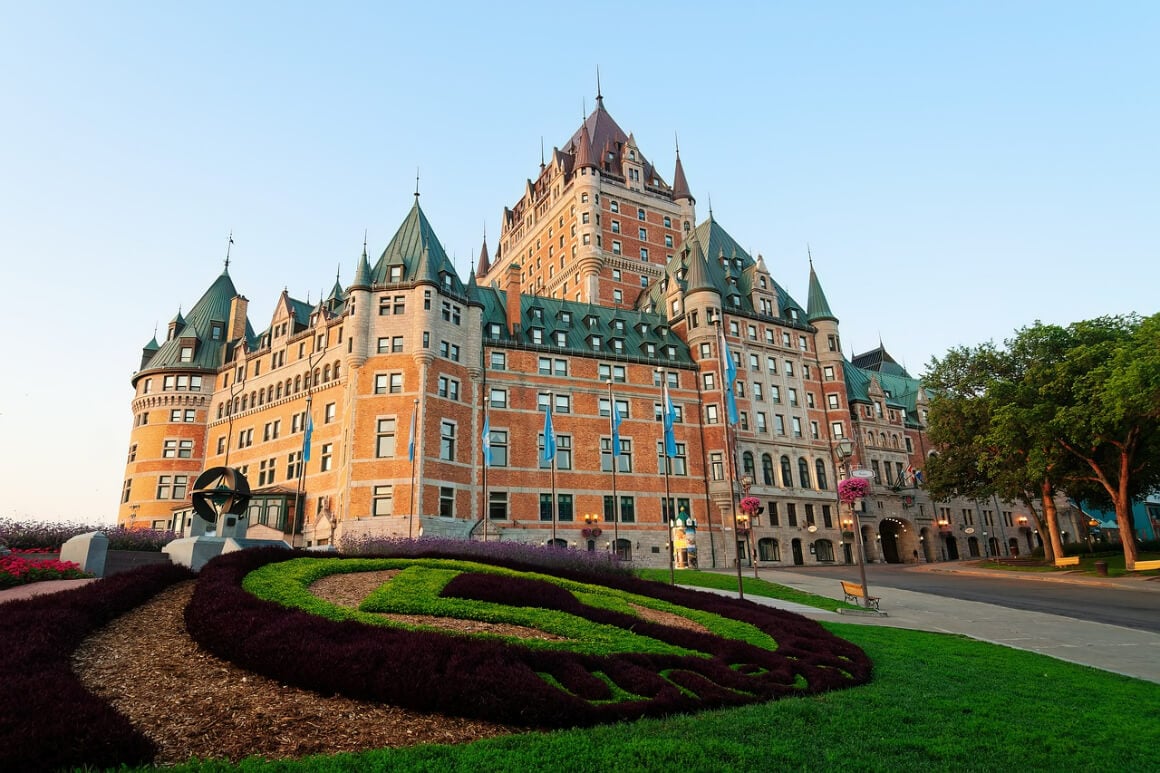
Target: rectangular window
(545, 507)
(497, 505)
(499, 448)
(711, 414)
(498, 361)
(383, 502)
(327, 455)
(448, 388)
(447, 440)
(385, 438)
(678, 465)
(564, 510)
(774, 516)
(327, 415)
(498, 397)
(791, 514)
(624, 458)
(446, 502)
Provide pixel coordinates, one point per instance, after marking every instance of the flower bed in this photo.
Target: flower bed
(48, 720)
(667, 669)
(16, 570)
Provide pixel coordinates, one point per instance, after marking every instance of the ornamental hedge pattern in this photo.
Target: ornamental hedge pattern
(614, 665)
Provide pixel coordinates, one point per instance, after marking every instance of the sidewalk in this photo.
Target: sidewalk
(1108, 647)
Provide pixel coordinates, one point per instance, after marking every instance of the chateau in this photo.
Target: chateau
(605, 302)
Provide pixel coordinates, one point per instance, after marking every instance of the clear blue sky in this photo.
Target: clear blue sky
(959, 170)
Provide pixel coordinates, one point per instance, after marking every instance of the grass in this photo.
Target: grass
(1087, 565)
(937, 702)
(752, 585)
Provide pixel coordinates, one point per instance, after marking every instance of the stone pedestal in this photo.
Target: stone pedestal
(88, 551)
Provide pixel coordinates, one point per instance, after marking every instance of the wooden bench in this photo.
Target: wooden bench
(1144, 566)
(1067, 561)
(855, 591)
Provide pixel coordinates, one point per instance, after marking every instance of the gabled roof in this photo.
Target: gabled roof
(729, 270)
(903, 390)
(879, 361)
(416, 248)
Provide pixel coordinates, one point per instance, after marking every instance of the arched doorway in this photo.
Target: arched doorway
(973, 547)
(557, 543)
(591, 546)
(952, 546)
(624, 549)
(993, 543)
(847, 552)
(1013, 547)
(890, 534)
(796, 545)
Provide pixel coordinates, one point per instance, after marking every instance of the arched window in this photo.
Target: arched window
(278, 391)
(325, 373)
(804, 472)
(820, 474)
(882, 437)
(747, 465)
(221, 409)
(869, 437)
(253, 399)
(297, 384)
(768, 549)
(824, 550)
(336, 366)
(245, 402)
(786, 473)
(767, 469)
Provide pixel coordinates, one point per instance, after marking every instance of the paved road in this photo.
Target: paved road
(1131, 603)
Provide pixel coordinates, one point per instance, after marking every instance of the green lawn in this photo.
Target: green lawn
(1087, 565)
(752, 586)
(937, 702)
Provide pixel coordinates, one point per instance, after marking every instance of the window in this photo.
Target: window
(768, 549)
(836, 429)
(711, 414)
(616, 226)
(604, 407)
(449, 350)
(617, 296)
(786, 475)
(498, 397)
(498, 360)
(616, 250)
(172, 486)
(497, 505)
(293, 465)
(613, 206)
(678, 465)
(757, 391)
(774, 516)
(791, 514)
(624, 463)
(385, 438)
(797, 426)
(767, 469)
(499, 448)
(388, 383)
(452, 313)
(789, 368)
(627, 509)
(611, 372)
(446, 502)
(383, 501)
(563, 452)
(804, 473)
(761, 422)
(328, 414)
(708, 381)
(327, 455)
(824, 550)
(447, 440)
(716, 465)
(815, 431)
(778, 424)
(640, 216)
(448, 388)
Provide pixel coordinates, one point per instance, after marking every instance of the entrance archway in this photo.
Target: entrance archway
(952, 545)
(993, 543)
(591, 546)
(973, 547)
(796, 545)
(1013, 547)
(847, 552)
(895, 540)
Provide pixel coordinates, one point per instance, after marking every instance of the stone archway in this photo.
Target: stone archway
(952, 547)
(897, 541)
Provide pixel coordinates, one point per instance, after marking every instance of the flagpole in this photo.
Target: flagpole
(667, 439)
(722, 353)
(300, 514)
(486, 463)
(615, 440)
(551, 400)
(411, 444)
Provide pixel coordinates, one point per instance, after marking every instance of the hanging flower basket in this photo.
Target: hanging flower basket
(591, 533)
(851, 490)
(751, 506)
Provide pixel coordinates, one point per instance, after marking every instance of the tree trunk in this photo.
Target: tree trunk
(1123, 504)
(1052, 518)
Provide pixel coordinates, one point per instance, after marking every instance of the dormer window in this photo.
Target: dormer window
(591, 320)
(566, 317)
(561, 338)
(671, 351)
(617, 345)
(761, 282)
(216, 331)
(536, 313)
(494, 330)
(792, 314)
(396, 274)
(618, 324)
(186, 354)
(595, 342)
(650, 349)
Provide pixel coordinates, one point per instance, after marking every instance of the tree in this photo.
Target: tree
(1071, 409)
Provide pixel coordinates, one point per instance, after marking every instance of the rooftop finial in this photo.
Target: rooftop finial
(599, 96)
(810, 255)
(416, 183)
(541, 151)
(676, 144)
(710, 206)
(364, 241)
(228, 245)
(337, 273)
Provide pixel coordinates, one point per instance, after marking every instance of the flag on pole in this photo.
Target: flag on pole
(669, 415)
(411, 443)
(486, 441)
(615, 434)
(918, 477)
(549, 437)
(306, 440)
(730, 378)
(910, 472)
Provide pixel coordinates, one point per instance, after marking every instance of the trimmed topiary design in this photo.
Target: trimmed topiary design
(618, 648)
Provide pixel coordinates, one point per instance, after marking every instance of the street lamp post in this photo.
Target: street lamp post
(845, 450)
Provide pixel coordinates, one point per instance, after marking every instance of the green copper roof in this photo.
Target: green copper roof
(416, 248)
(587, 329)
(205, 326)
(901, 388)
(362, 274)
(818, 306)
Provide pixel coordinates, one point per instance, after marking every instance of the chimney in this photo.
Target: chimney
(512, 289)
(237, 325)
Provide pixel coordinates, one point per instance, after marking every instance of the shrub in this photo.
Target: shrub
(48, 537)
(48, 720)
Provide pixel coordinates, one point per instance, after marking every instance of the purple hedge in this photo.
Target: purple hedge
(494, 680)
(48, 720)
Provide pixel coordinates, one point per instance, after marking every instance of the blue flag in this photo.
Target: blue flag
(669, 415)
(615, 434)
(730, 378)
(306, 440)
(487, 441)
(411, 443)
(549, 437)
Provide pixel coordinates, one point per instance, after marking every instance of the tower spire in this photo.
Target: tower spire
(229, 244)
(599, 96)
(416, 184)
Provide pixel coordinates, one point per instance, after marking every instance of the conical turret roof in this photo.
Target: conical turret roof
(817, 307)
